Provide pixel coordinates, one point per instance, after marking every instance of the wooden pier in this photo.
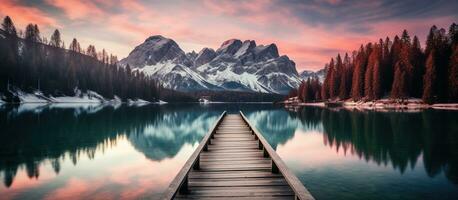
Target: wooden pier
(234, 161)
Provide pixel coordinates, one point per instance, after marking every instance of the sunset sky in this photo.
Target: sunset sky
(309, 31)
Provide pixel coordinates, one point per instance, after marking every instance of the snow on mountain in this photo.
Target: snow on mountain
(204, 56)
(235, 65)
(320, 74)
(156, 49)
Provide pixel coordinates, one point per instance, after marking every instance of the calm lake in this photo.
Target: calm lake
(131, 152)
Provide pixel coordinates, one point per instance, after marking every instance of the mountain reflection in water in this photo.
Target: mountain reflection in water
(134, 152)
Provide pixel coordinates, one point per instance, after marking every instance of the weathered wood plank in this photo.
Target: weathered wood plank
(233, 167)
(203, 183)
(182, 176)
(237, 198)
(300, 191)
(240, 188)
(237, 193)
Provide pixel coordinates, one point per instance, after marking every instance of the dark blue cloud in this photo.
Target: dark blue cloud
(357, 14)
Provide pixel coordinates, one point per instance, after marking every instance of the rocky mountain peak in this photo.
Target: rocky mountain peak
(154, 50)
(205, 55)
(266, 52)
(156, 38)
(235, 65)
(229, 47)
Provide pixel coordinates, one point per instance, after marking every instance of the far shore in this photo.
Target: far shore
(384, 104)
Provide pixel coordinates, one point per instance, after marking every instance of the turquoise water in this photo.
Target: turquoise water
(130, 152)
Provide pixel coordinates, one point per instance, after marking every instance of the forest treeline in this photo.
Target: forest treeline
(397, 69)
(30, 62)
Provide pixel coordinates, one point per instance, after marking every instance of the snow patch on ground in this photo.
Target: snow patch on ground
(80, 99)
(30, 98)
(137, 102)
(386, 104)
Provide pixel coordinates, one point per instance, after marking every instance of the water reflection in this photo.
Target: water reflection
(342, 154)
(398, 137)
(32, 138)
(129, 152)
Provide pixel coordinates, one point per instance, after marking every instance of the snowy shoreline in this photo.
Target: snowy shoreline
(89, 97)
(382, 105)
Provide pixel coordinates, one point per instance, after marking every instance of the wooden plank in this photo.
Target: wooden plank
(233, 167)
(240, 193)
(203, 183)
(182, 175)
(228, 162)
(240, 188)
(238, 198)
(229, 150)
(299, 189)
(214, 147)
(239, 174)
(235, 159)
(231, 154)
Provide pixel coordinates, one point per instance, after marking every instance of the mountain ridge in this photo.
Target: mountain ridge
(234, 66)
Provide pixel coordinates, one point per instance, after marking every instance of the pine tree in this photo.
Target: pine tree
(336, 77)
(345, 78)
(326, 92)
(56, 40)
(307, 91)
(91, 51)
(416, 78)
(8, 26)
(368, 77)
(300, 92)
(453, 34)
(429, 79)
(400, 88)
(104, 56)
(31, 33)
(387, 68)
(357, 90)
(405, 38)
(377, 89)
(326, 83)
(453, 76)
(374, 63)
(442, 55)
(395, 53)
(75, 46)
(37, 33)
(431, 40)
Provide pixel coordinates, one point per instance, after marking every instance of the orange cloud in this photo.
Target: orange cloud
(23, 15)
(78, 9)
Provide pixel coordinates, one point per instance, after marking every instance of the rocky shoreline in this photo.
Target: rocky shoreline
(383, 104)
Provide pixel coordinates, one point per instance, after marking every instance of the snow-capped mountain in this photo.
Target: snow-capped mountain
(236, 65)
(320, 74)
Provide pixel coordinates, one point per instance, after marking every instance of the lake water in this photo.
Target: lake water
(131, 152)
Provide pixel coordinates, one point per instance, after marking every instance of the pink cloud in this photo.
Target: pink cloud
(208, 23)
(23, 15)
(78, 9)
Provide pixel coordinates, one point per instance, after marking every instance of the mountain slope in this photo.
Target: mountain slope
(235, 66)
(320, 74)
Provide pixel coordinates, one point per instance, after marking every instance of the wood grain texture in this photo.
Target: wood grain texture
(229, 164)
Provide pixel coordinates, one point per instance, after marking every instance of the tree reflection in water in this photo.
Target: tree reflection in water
(28, 139)
(395, 138)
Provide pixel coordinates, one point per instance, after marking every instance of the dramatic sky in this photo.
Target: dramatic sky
(308, 31)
